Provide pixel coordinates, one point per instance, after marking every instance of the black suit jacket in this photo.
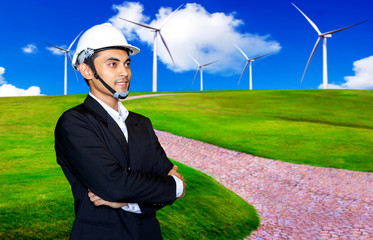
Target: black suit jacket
(94, 155)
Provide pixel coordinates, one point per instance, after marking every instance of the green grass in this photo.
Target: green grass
(35, 197)
(329, 128)
(213, 212)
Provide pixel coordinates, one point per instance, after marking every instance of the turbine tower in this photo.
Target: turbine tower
(324, 36)
(67, 53)
(249, 61)
(200, 67)
(157, 31)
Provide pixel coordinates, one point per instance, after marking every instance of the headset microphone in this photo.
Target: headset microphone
(121, 95)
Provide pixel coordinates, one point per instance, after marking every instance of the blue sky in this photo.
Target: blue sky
(206, 30)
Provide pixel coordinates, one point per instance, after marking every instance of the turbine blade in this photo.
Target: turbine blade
(72, 43)
(262, 56)
(309, 20)
(204, 65)
(196, 75)
(164, 42)
(70, 57)
(63, 50)
(244, 69)
(309, 60)
(141, 25)
(76, 75)
(239, 49)
(195, 61)
(338, 30)
(169, 17)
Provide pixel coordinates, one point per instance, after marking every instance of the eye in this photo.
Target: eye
(127, 64)
(112, 64)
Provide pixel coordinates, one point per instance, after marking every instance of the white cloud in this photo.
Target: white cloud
(194, 31)
(131, 11)
(8, 90)
(330, 86)
(56, 51)
(2, 71)
(363, 78)
(30, 48)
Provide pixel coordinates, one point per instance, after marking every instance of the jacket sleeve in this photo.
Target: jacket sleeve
(164, 166)
(79, 148)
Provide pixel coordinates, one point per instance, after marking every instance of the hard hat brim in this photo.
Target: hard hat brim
(133, 50)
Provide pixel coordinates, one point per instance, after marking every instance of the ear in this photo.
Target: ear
(86, 71)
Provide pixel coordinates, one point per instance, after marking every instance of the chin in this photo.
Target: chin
(122, 90)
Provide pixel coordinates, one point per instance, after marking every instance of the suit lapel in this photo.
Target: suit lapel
(134, 134)
(132, 127)
(94, 107)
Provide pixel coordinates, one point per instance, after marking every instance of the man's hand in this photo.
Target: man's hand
(97, 201)
(178, 175)
(174, 172)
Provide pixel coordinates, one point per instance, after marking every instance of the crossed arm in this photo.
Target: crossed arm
(98, 201)
(80, 150)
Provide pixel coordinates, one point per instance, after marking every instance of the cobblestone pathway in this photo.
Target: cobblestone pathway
(149, 95)
(293, 201)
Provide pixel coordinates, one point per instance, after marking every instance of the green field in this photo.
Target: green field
(36, 202)
(330, 128)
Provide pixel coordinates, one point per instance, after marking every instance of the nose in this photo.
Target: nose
(124, 71)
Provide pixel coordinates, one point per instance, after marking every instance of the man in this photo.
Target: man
(118, 172)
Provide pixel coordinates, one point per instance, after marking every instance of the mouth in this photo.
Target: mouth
(122, 84)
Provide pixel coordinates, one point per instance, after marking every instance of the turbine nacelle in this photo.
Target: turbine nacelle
(200, 69)
(67, 54)
(249, 61)
(157, 31)
(324, 36)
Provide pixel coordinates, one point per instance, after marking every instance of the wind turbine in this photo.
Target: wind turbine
(324, 36)
(157, 31)
(67, 53)
(249, 61)
(200, 67)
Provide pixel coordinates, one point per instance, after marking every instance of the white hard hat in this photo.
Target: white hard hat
(97, 37)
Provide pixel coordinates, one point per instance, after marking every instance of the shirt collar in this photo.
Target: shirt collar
(122, 110)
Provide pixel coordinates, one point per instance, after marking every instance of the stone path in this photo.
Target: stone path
(293, 201)
(150, 95)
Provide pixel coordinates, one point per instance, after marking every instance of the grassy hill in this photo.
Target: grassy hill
(36, 202)
(330, 128)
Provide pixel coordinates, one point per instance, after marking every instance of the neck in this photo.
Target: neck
(107, 99)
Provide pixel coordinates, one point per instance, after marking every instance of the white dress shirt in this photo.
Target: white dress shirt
(120, 117)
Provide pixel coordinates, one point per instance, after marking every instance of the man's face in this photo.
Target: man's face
(113, 66)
